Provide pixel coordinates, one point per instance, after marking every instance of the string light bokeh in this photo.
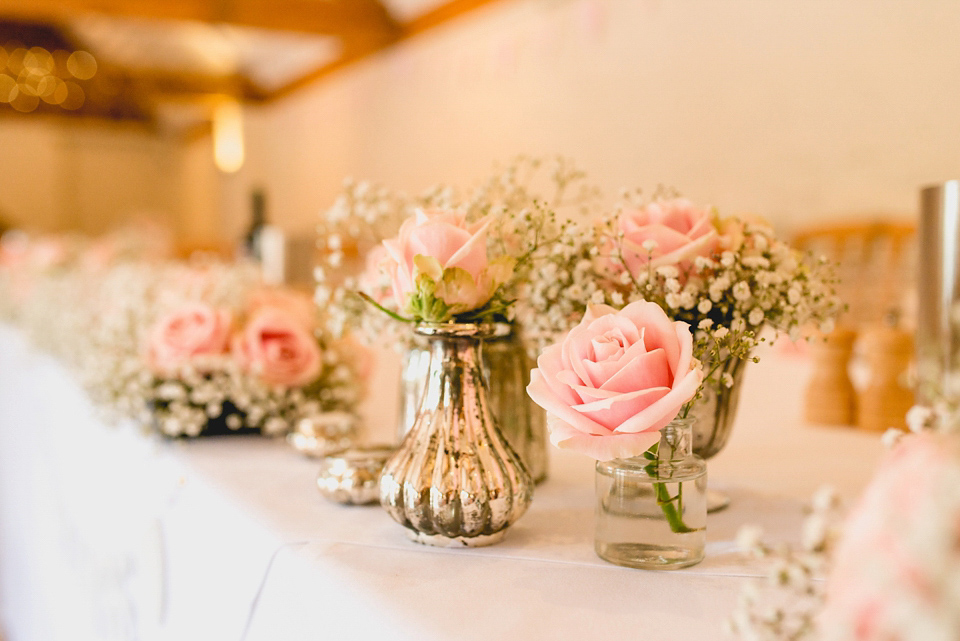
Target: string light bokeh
(31, 75)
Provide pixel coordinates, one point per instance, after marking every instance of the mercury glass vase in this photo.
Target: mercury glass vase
(455, 480)
(506, 369)
(652, 509)
(714, 412)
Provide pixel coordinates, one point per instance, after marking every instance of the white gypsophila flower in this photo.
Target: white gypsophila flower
(892, 436)
(741, 291)
(704, 306)
(756, 316)
(748, 538)
(919, 418)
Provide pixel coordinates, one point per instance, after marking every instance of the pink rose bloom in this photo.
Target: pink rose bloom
(441, 245)
(900, 544)
(186, 336)
(678, 230)
(297, 305)
(615, 380)
(277, 346)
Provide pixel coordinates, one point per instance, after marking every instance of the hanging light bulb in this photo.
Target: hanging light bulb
(228, 135)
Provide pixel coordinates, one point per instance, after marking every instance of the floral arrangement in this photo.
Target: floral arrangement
(891, 569)
(513, 215)
(192, 348)
(264, 369)
(727, 278)
(614, 381)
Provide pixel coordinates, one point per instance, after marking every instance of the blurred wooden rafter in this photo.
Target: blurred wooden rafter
(364, 28)
(343, 18)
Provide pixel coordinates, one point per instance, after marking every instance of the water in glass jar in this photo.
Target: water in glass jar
(643, 523)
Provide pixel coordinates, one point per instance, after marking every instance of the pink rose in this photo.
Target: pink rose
(297, 305)
(438, 256)
(671, 232)
(615, 380)
(276, 346)
(187, 335)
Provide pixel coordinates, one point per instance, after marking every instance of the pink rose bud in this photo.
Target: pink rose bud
(437, 255)
(277, 347)
(671, 232)
(187, 336)
(615, 380)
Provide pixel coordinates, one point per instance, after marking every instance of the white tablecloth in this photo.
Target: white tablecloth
(108, 533)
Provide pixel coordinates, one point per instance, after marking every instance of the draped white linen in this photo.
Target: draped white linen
(107, 532)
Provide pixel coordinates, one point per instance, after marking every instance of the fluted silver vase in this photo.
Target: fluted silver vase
(506, 368)
(455, 480)
(714, 412)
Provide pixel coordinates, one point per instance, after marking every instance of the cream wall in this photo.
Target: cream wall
(60, 174)
(794, 109)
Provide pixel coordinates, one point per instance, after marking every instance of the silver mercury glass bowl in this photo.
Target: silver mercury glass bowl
(352, 476)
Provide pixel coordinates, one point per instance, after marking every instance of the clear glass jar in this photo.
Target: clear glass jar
(652, 509)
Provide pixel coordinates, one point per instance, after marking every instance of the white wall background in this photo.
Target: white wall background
(794, 109)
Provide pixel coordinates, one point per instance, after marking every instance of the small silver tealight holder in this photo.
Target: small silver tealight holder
(352, 476)
(323, 434)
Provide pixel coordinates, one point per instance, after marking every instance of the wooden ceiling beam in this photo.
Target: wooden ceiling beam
(328, 17)
(429, 20)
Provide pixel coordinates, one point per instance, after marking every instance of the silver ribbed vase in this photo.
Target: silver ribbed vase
(455, 480)
(714, 412)
(506, 369)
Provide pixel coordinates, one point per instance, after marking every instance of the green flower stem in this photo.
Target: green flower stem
(672, 506)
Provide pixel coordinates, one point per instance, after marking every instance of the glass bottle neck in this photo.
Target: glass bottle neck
(676, 440)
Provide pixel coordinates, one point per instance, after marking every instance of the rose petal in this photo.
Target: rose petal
(650, 369)
(614, 411)
(602, 448)
(541, 394)
(658, 414)
(561, 383)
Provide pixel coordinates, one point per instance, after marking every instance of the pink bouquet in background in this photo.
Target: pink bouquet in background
(264, 365)
(277, 348)
(615, 380)
(193, 335)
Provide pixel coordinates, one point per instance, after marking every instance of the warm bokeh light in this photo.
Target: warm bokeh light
(24, 102)
(8, 88)
(74, 98)
(228, 135)
(28, 76)
(82, 65)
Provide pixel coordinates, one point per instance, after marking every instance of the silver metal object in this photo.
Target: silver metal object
(714, 412)
(506, 369)
(716, 409)
(938, 313)
(455, 480)
(324, 433)
(352, 476)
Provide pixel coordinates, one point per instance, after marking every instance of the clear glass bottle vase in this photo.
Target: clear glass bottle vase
(651, 509)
